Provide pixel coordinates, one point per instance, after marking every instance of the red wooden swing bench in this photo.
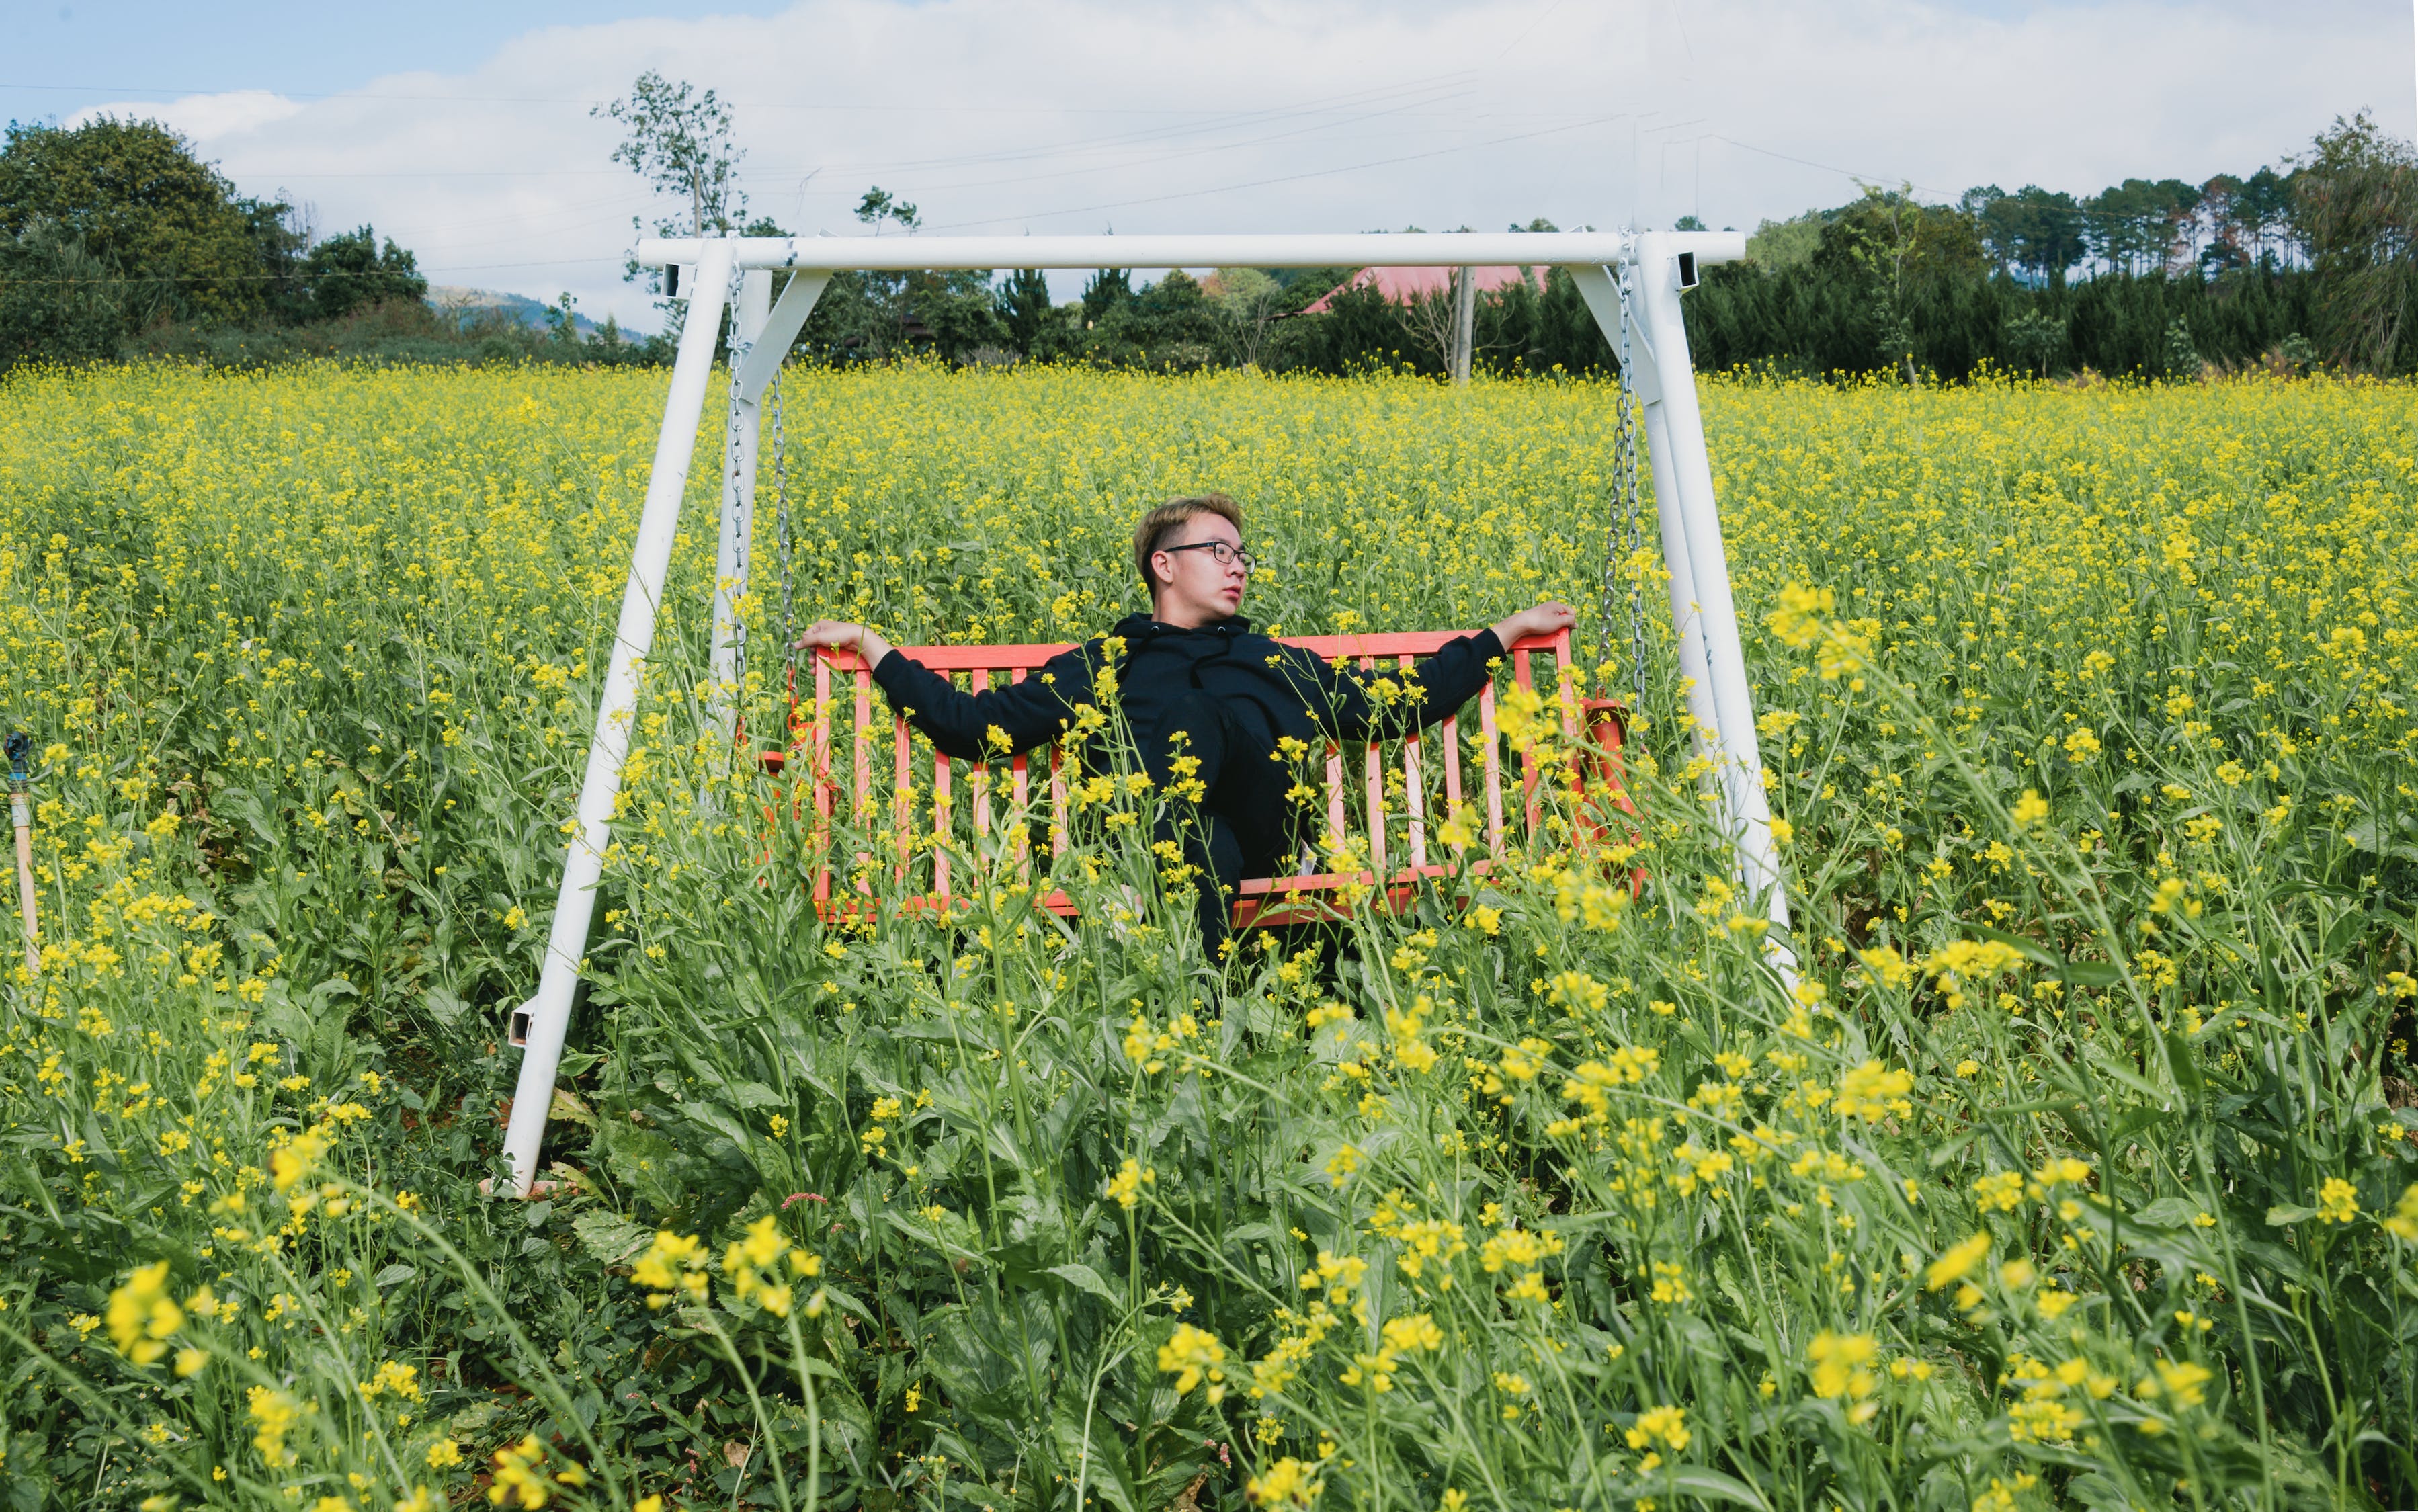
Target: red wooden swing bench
(1259, 901)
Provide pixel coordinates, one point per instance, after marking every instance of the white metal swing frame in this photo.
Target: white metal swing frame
(1633, 283)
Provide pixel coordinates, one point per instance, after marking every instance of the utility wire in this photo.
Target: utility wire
(1289, 178)
(294, 278)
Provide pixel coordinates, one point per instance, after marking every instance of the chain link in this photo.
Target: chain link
(1621, 531)
(781, 514)
(742, 524)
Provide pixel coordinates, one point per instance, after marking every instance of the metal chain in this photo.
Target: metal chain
(744, 525)
(781, 513)
(1629, 501)
(1622, 530)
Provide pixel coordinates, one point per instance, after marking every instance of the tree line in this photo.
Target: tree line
(114, 229)
(115, 240)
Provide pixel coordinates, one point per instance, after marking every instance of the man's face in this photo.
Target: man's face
(1202, 589)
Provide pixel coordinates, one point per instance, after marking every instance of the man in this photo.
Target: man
(1195, 682)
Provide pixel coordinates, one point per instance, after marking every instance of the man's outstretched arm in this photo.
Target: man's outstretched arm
(961, 725)
(1537, 619)
(1359, 710)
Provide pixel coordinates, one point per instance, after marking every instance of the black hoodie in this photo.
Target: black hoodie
(1274, 689)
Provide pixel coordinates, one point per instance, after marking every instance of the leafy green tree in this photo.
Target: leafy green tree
(879, 208)
(144, 208)
(1904, 258)
(2357, 203)
(1032, 322)
(679, 142)
(350, 271)
(2136, 227)
(1170, 324)
(2262, 207)
(59, 302)
(2032, 233)
(1778, 245)
(2034, 339)
(1105, 290)
(2181, 357)
(871, 316)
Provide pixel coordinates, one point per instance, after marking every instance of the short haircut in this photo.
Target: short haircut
(1161, 524)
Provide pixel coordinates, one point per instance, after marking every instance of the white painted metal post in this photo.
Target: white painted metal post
(541, 1020)
(731, 551)
(1683, 470)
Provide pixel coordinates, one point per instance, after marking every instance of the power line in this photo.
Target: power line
(1430, 90)
(1430, 86)
(849, 107)
(1148, 162)
(1287, 179)
(292, 278)
(1827, 168)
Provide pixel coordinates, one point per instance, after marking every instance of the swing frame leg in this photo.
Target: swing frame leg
(538, 1025)
(1704, 613)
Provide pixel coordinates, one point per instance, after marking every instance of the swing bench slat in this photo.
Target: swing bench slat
(1310, 894)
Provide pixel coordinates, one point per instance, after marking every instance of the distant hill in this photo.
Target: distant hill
(467, 304)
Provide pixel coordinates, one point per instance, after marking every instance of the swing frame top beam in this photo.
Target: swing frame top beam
(1631, 282)
(1414, 249)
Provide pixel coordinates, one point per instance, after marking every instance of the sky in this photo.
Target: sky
(465, 131)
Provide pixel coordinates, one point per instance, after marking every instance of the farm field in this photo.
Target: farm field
(2079, 1173)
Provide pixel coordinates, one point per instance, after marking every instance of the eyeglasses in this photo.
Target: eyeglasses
(1225, 554)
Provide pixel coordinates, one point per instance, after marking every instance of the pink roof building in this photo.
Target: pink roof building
(1410, 285)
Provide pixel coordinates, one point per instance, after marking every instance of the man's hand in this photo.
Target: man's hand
(1542, 619)
(840, 634)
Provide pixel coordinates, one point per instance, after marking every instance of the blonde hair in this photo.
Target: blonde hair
(1150, 536)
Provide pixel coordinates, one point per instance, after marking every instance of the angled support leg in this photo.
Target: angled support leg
(538, 1025)
(1720, 701)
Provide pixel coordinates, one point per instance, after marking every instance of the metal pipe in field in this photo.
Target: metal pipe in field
(20, 810)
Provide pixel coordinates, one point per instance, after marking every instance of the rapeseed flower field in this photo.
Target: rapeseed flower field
(2076, 1172)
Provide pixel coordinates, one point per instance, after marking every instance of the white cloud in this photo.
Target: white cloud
(209, 118)
(1288, 115)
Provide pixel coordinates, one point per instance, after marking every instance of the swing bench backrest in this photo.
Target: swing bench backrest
(1392, 826)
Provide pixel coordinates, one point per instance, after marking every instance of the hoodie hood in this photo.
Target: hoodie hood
(1138, 627)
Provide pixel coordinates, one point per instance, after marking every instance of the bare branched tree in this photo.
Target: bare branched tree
(1432, 319)
(1251, 300)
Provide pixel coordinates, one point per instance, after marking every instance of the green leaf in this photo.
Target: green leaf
(2033, 949)
(756, 1094)
(392, 1276)
(610, 1237)
(2279, 1218)
(2185, 1062)
(1083, 1279)
(2165, 1213)
(1712, 1484)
